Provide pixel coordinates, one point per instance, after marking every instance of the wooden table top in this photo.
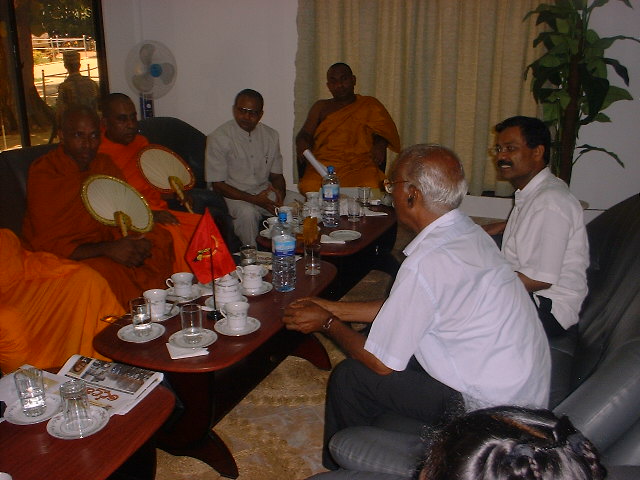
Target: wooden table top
(369, 227)
(30, 453)
(267, 308)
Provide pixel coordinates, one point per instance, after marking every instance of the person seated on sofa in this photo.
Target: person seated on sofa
(57, 221)
(497, 443)
(349, 131)
(50, 308)
(244, 164)
(457, 328)
(545, 238)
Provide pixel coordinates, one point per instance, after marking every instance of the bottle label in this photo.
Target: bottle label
(330, 191)
(284, 245)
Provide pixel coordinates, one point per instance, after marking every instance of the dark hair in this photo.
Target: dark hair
(247, 92)
(511, 443)
(108, 100)
(534, 131)
(341, 65)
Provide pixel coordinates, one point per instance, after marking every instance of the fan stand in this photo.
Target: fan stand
(146, 106)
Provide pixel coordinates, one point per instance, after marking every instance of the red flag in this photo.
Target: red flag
(207, 253)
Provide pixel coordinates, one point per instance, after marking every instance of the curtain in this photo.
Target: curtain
(447, 70)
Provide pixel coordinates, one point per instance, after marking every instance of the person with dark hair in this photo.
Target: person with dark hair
(457, 328)
(76, 88)
(243, 163)
(511, 443)
(544, 239)
(349, 131)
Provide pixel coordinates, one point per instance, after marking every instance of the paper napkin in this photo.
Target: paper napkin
(328, 239)
(178, 352)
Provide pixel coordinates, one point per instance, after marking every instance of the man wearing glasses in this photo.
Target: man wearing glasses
(544, 239)
(243, 163)
(458, 328)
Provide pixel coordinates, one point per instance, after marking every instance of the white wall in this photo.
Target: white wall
(597, 178)
(221, 47)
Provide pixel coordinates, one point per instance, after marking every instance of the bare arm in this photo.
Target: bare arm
(357, 312)
(304, 138)
(279, 186)
(306, 316)
(494, 228)
(532, 285)
(261, 199)
(129, 251)
(379, 150)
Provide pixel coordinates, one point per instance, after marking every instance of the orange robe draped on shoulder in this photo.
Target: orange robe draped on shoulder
(50, 308)
(125, 158)
(344, 139)
(57, 221)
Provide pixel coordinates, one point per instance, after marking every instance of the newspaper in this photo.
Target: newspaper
(113, 386)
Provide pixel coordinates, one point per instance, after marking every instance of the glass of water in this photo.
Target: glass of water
(30, 386)
(191, 320)
(140, 316)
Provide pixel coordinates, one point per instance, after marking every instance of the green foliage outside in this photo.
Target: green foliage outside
(62, 18)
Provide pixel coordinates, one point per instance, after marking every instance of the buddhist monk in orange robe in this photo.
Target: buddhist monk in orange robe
(50, 308)
(57, 221)
(349, 131)
(122, 143)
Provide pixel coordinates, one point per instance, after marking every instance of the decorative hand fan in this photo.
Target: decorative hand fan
(114, 202)
(164, 169)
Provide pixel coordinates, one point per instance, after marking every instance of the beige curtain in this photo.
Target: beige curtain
(447, 70)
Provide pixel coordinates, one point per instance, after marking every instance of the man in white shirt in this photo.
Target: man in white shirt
(544, 239)
(458, 325)
(244, 164)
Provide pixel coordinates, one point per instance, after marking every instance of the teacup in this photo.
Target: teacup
(270, 222)
(236, 314)
(157, 298)
(227, 289)
(251, 276)
(181, 283)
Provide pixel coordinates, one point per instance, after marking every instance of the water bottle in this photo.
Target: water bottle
(330, 199)
(283, 246)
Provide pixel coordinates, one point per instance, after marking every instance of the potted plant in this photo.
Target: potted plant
(570, 79)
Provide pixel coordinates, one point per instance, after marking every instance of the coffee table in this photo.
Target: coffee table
(30, 453)
(355, 258)
(210, 386)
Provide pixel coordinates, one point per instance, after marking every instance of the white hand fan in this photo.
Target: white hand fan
(114, 202)
(164, 169)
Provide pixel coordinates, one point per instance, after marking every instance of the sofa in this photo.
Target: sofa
(595, 368)
(173, 133)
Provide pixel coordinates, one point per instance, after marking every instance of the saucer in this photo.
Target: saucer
(170, 311)
(266, 287)
(209, 302)
(195, 293)
(58, 429)
(266, 233)
(127, 334)
(207, 338)
(345, 235)
(15, 415)
(222, 327)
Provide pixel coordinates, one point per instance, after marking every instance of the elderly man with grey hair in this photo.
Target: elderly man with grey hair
(458, 328)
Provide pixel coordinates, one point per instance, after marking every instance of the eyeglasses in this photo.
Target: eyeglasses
(249, 111)
(498, 149)
(388, 185)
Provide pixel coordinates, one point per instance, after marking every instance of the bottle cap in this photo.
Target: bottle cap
(330, 169)
(282, 217)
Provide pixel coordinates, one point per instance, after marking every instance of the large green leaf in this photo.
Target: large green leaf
(621, 70)
(615, 94)
(590, 148)
(606, 42)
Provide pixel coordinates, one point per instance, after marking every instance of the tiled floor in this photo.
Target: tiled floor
(276, 431)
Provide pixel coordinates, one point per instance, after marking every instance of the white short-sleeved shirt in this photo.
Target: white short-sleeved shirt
(243, 159)
(546, 240)
(458, 306)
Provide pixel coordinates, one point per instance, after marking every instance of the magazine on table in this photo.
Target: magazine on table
(114, 386)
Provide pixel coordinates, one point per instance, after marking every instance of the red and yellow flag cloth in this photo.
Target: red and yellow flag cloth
(207, 254)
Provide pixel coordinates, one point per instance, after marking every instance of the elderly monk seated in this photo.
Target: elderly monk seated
(57, 221)
(349, 131)
(50, 308)
(121, 141)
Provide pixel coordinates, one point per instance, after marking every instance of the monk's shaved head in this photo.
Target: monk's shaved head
(80, 135)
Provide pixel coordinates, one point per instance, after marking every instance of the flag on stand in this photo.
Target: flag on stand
(207, 254)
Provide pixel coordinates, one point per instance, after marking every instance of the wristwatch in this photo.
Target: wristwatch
(327, 324)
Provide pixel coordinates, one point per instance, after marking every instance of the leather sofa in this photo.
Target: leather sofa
(595, 369)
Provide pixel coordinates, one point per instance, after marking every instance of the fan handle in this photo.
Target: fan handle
(176, 185)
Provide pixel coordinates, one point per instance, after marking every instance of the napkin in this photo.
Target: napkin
(178, 352)
(371, 213)
(328, 239)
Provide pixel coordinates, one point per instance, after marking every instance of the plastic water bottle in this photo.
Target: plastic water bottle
(283, 246)
(330, 198)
